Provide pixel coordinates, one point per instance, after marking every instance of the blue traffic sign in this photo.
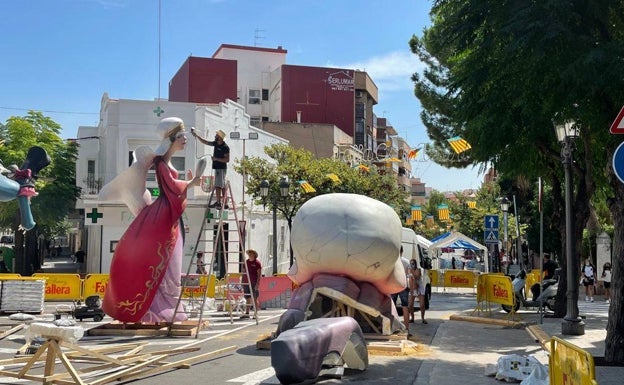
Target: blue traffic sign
(491, 222)
(618, 162)
(491, 236)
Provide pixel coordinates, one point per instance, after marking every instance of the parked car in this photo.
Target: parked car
(8, 239)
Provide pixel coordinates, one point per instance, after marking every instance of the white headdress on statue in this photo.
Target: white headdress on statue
(165, 129)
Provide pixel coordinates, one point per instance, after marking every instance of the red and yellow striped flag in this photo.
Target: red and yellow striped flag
(307, 187)
(334, 178)
(459, 145)
(416, 213)
(363, 168)
(412, 154)
(443, 212)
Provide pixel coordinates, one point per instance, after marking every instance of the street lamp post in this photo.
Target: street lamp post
(284, 188)
(505, 208)
(237, 136)
(571, 324)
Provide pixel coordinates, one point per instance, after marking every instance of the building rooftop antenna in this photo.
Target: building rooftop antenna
(258, 35)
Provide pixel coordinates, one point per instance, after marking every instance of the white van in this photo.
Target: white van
(415, 247)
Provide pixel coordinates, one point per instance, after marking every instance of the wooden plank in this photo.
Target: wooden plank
(345, 305)
(118, 375)
(178, 363)
(182, 329)
(12, 330)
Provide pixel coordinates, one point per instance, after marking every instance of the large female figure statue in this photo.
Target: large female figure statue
(144, 284)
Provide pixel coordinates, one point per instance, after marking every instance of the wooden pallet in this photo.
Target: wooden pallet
(98, 365)
(179, 329)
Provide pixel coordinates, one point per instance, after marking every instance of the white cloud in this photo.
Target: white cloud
(390, 72)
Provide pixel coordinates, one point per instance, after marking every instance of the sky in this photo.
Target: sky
(59, 57)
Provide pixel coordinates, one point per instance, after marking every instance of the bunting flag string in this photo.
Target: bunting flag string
(443, 212)
(459, 145)
(307, 187)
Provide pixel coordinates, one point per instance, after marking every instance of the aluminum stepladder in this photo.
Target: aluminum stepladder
(219, 244)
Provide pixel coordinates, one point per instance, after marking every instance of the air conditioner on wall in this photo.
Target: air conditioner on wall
(359, 94)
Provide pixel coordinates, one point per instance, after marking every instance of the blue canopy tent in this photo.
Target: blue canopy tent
(456, 240)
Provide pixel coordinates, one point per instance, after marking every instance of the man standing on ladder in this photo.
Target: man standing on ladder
(220, 159)
(253, 271)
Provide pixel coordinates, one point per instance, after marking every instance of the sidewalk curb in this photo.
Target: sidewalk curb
(540, 336)
(489, 321)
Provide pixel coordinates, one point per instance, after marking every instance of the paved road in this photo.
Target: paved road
(246, 364)
(443, 346)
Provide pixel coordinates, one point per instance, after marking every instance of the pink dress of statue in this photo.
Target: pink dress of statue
(145, 272)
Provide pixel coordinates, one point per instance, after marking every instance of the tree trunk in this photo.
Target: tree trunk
(614, 343)
(31, 251)
(19, 261)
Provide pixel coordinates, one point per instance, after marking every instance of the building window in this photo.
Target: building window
(360, 111)
(178, 164)
(254, 121)
(265, 94)
(254, 96)
(93, 184)
(265, 118)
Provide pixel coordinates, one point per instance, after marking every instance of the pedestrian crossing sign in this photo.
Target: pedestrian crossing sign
(491, 236)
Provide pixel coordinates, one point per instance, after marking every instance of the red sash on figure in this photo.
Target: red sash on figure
(144, 251)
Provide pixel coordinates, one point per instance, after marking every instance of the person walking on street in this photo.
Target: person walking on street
(418, 290)
(201, 265)
(606, 280)
(79, 258)
(254, 271)
(588, 280)
(405, 294)
(220, 159)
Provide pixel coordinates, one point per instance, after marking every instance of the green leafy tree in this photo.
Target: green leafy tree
(499, 72)
(56, 186)
(296, 165)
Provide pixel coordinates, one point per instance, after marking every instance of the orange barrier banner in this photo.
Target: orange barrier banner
(195, 285)
(570, 365)
(481, 291)
(434, 278)
(61, 286)
(498, 289)
(94, 284)
(459, 278)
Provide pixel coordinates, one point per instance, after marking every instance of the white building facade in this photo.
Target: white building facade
(106, 150)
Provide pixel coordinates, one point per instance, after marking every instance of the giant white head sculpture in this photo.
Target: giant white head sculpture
(351, 235)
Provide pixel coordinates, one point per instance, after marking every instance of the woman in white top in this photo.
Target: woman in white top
(606, 280)
(419, 290)
(588, 280)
